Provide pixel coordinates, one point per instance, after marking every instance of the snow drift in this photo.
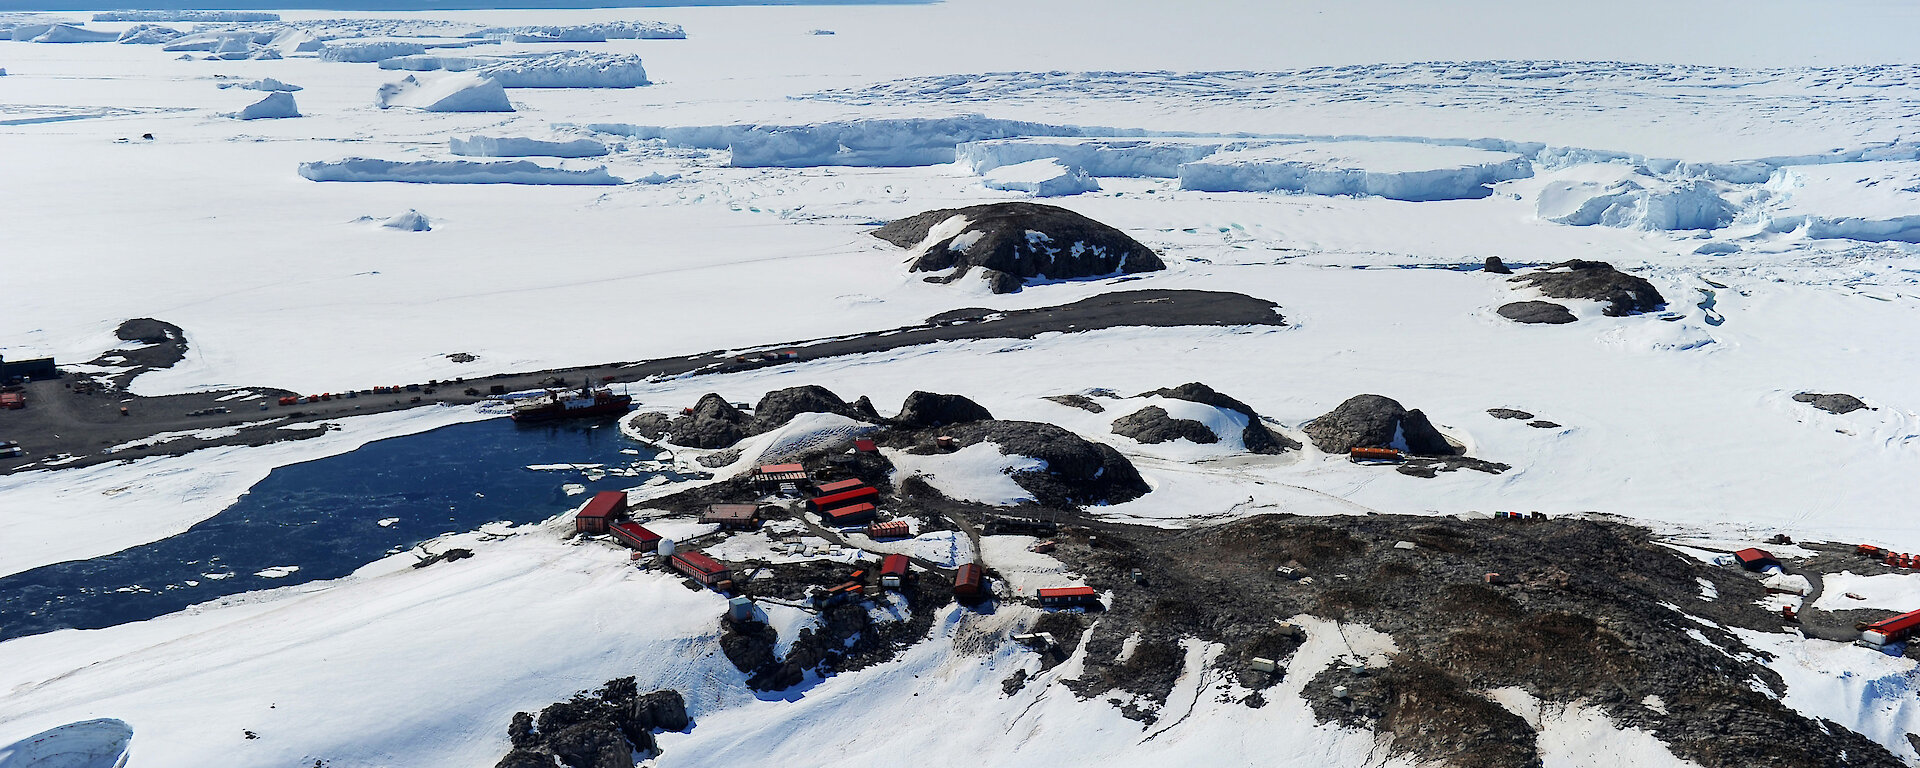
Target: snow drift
(1869, 201)
(98, 743)
(275, 105)
(1616, 195)
(1394, 170)
(453, 93)
(1041, 178)
(67, 33)
(367, 52)
(515, 146)
(565, 69)
(451, 172)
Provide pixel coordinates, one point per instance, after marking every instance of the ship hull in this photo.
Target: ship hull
(614, 406)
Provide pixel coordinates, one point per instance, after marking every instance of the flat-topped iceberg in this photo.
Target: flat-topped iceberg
(452, 172)
(1390, 169)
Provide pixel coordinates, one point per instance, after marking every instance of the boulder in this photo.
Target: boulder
(923, 410)
(778, 407)
(749, 645)
(1081, 402)
(1256, 437)
(1495, 266)
(714, 423)
(592, 744)
(1508, 413)
(1078, 472)
(1374, 421)
(1025, 242)
(1624, 294)
(1833, 403)
(526, 758)
(1536, 312)
(1153, 425)
(659, 710)
(148, 330)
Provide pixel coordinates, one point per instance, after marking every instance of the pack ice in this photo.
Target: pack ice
(1394, 170)
(452, 172)
(564, 69)
(464, 92)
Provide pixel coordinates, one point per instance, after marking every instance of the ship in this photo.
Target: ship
(572, 405)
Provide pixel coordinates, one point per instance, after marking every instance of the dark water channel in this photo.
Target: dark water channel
(325, 516)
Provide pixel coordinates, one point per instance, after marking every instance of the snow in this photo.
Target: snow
(275, 105)
(367, 52)
(185, 15)
(1886, 591)
(517, 146)
(98, 743)
(451, 172)
(563, 69)
(411, 221)
(1103, 157)
(451, 93)
(1041, 178)
(1394, 170)
(1871, 201)
(980, 472)
(1864, 690)
(1580, 735)
(266, 84)
(1618, 195)
(66, 33)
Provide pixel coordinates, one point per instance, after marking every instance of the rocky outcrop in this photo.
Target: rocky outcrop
(1495, 266)
(778, 407)
(1836, 403)
(1153, 425)
(599, 730)
(1081, 402)
(1257, 437)
(1374, 421)
(1078, 472)
(923, 410)
(1623, 294)
(714, 423)
(1508, 413)
(1017, 243)
(1537, 313)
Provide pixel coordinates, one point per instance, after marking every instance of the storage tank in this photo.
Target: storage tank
(666, 548)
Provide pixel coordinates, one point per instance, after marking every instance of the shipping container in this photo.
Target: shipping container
(843, 498)
(12, 401)
(600, 511)
(864, 445)
(1358, 455)
(969, 581)
(891, 529)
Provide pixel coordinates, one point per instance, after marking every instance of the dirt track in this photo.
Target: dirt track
(59, 421)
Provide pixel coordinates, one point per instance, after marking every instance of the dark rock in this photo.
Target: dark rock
(1834, 403)
(714, 423)
(651, 426)
(526, 758)
(1025, 241)
(1152, 425)
(592, 744)
(1081, 402)
(749, 645)
(520, 731)
(1373, 421)
(1421, 466)
(1496, 266)
(864, 408)
(780, 406)
(1001, 282)
(660, 710)
(926, 409)
(1078, 471)
(1598, 281)
(1508, 413)
(149, 330)
(1256, 437)
(1543, 424)
(1537, 313)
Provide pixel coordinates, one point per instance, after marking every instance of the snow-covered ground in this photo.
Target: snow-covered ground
(1766, 188)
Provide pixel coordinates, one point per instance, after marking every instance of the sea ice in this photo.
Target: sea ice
(515, 146)
(451, 172)
(1041, 178)
(563, 69)
(1390, 169)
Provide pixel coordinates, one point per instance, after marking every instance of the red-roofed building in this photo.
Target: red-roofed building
(1068, 596)
(853, 514)
(600, 511)
(969, 581)
(703, 569)
(843, 498)
(893, 570)
(837, 486)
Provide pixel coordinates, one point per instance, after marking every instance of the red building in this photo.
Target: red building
(850, 515)
(635, 535)
(893, 571)
(602, 510)
(703, 569)
(1755, 559)
(891, 529)
(969, 581)
(1891, 630)
(864, 445)
(843, 498)
(735, 516)
(1064, 597)
(838, 486)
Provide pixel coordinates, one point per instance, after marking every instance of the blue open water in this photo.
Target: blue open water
(323, 516)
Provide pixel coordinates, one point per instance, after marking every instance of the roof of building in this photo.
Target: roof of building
(635, 531)
(779, 469)
(727, 513)
(604, 504)
(895, 565)
(841, 485)
(1752, 554)
(855, 510)
(1068, 592)
(700, 562)
(864, 445)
